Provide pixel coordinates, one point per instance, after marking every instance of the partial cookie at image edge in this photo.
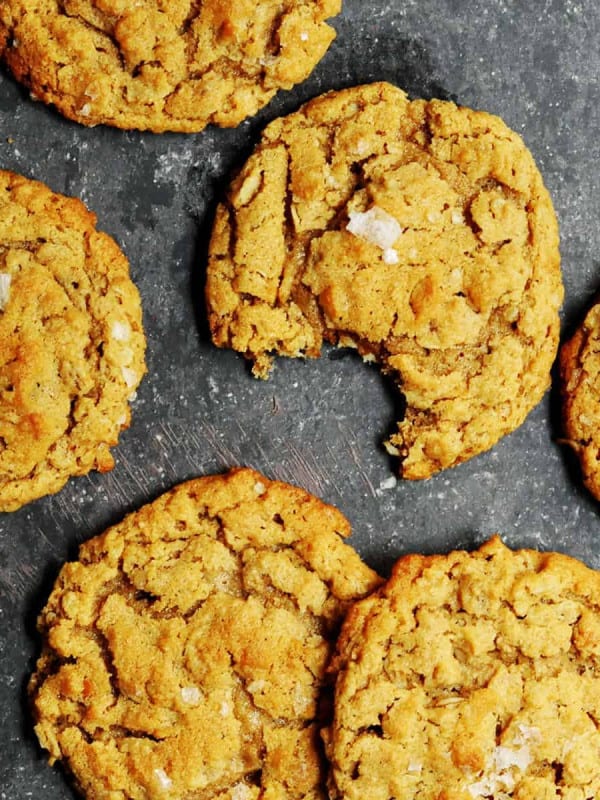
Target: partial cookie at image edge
(579, 363)
(186, 650)
(157, 67)
(72, 344)
(474, 674)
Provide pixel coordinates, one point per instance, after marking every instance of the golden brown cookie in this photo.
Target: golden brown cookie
(185, 652)
(471, 675)
(418, 232)
(154, 65)
(580, 390)
(71, 341)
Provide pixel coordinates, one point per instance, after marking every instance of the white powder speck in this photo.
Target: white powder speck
(173, 164)
(375, 226)
(304, 36)
(5, 281)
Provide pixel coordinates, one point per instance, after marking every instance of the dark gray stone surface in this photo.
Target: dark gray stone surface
(318, 423)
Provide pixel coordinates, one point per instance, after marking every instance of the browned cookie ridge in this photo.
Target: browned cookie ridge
(420, 233)
(178, 65)
(71, 341)
(468, 677)
(580, 390)
(185, 652)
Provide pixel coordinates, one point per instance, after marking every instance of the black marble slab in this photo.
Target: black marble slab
(318, 423)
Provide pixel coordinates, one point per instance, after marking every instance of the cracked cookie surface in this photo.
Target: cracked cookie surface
(471, 675)
(185, 652)
(418, 232)
(580, 391)
(71, 341)
(155, 65)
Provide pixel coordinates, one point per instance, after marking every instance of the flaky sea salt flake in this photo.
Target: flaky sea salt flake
(5, 281)
(130, 376)
(375, 226)
(121, 331)
(190, 695)
(163, 779)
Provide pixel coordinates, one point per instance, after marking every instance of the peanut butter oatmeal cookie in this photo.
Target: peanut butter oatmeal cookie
(420, 233)
(472, 675)
(155, 65)
(580, 389)
(71, 341)
(185, 652)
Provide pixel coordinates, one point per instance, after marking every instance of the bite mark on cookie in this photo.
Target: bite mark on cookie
(456, 295)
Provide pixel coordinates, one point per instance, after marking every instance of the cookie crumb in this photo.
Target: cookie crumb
(388, 483)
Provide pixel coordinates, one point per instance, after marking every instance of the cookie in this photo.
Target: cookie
(419, 233)
(151, 65)
(580, 395)
(71, 341)
(471, 675)
(185, 652)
